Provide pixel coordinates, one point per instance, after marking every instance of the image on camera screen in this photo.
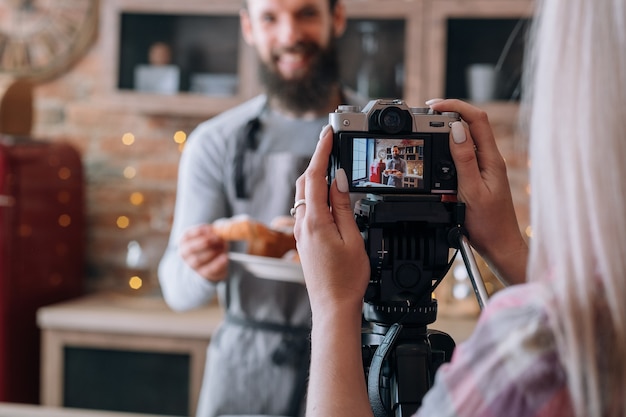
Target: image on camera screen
(388, 163)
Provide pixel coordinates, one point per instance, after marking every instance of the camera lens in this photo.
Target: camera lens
(391, 120)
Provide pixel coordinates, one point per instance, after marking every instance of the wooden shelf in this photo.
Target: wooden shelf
(420, 64)
(184, 103)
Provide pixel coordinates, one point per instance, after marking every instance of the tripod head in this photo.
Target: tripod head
(408, 240)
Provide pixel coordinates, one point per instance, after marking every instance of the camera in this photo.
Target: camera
(391, 148)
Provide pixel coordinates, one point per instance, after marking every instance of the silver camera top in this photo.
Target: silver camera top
(390, 116)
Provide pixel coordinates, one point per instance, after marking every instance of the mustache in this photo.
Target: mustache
(298, 48)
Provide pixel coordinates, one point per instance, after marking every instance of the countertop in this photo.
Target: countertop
(113, 312)
(123, 313)
(26, 410)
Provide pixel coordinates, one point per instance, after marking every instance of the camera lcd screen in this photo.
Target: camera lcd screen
(385, 165)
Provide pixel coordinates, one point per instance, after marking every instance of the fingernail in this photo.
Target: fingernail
(433, 101)
(324, 130)
(458, 132)
(342, 180)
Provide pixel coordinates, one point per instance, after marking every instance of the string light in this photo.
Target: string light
(64, 173)
(128, 139)
(135, 282)
(130, 172)
(65, 220)
(180, 137)
(123, 222)
(136, 198)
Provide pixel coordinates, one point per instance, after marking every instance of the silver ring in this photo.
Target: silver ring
(296, 205)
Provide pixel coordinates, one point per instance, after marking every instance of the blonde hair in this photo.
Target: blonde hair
(577, 108)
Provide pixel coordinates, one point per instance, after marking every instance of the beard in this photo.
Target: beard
(312, 90)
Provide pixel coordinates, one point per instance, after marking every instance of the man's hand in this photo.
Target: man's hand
(205, 252)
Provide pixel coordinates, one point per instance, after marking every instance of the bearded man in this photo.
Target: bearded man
(245, 161)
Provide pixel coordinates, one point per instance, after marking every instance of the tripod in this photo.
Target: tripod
(408, 241)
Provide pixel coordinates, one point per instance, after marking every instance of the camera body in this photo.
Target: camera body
(364, 142)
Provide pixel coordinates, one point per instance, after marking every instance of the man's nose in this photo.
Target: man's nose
(289, 32)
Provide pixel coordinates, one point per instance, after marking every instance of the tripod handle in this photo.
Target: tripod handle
(472, 269)
(376, 370)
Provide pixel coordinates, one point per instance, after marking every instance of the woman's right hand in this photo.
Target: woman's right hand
(484, 188)
(336, 270)
(329, 242)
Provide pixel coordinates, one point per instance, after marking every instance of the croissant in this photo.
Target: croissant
(261, 239)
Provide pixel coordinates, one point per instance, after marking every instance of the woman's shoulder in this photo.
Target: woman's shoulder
(511, 358)
(521, 314)
(529, 295)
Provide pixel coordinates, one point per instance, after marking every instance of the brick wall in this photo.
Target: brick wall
(70, 108)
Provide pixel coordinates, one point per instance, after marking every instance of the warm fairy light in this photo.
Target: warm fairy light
(123, 222)
(130, 172)
(135, 282)
(529, 231)
(65, 220)
(64, 173)
(180, 137)
(136, 198)
(128, 139)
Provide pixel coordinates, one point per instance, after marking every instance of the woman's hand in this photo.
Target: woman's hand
(336, 270)
(484, 188)
(330, 245)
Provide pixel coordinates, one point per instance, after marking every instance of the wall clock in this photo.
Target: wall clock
(41, 38)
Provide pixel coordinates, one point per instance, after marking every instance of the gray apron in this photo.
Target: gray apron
(258, 359)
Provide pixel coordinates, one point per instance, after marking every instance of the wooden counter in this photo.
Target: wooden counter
(24, 410)
(119, 321)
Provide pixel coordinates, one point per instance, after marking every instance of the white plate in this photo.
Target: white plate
(270, 268)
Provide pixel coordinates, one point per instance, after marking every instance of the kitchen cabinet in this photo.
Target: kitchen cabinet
(124, 352)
